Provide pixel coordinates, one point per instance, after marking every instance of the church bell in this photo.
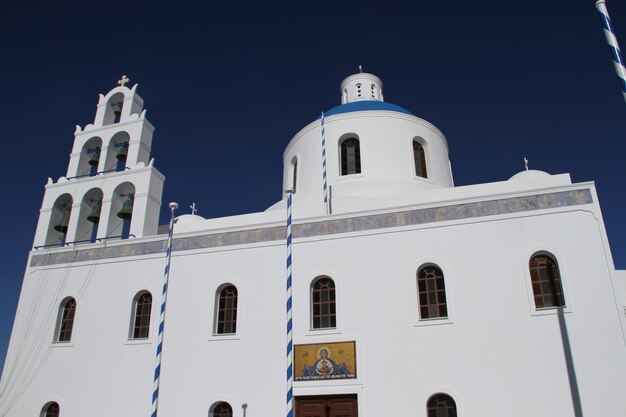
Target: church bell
(127, 210)
(122, 154)
(63, 224)
(94, 217)
(95, 159)
(117, 111)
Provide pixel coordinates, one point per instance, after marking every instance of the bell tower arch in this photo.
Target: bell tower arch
(111, 189)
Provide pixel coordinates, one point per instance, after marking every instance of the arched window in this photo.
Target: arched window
(420, 159)
(50, 410)
(222, 410)
(350, 156)
(441, 405)
(431, 293)
(142, 307)
(226, 322)
(546, 281)
(323, 305)
(65, 322)
(294, 174)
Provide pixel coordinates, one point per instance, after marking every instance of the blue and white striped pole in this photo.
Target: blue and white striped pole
(166, 277)
(289, 319)
(326, 206)
(618, 62)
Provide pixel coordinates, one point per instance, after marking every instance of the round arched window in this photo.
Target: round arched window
(222, 409)
(50, 410)
(441, 405)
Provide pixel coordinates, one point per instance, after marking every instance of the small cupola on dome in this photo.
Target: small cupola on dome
(361, 86)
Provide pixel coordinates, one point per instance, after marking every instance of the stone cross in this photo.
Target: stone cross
(123, 81)
(526, 163)
(361, 69)
(193, 208)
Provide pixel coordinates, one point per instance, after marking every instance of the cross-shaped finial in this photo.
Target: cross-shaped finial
(361, 69)
(193, 208)
(526, 163)
(123, 81)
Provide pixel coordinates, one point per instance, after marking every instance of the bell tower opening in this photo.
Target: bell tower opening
(113, 112)
(59, 220)
(89, 217)
(121, 213)
(117, 154)
(89, 158)
(126, 214)
(122, 155)
(94, 160)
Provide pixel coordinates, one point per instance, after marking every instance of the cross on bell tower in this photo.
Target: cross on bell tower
(123, 81)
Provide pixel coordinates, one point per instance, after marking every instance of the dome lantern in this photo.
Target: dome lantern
(361, 86)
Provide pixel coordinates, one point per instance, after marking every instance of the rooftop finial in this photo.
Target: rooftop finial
(125, 80)
(526, 163)
(193, 208)
(361, 69)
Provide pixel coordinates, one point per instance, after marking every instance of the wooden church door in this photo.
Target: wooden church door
(327, 406)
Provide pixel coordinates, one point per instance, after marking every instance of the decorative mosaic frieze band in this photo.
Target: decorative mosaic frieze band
(327, 227)
(444, 213)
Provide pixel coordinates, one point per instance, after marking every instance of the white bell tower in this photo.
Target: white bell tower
(111, 190)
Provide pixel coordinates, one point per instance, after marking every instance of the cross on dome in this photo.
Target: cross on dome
(123, 81)
(193, 208)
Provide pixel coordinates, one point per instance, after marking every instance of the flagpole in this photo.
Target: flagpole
(166, 278)
(289, 317)
(618, 62)
(326, 205)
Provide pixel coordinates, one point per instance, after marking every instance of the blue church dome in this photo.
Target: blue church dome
(365, 105)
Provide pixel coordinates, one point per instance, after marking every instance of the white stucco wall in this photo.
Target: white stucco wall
(495, 351)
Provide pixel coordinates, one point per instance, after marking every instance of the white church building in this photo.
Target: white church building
(411, 297)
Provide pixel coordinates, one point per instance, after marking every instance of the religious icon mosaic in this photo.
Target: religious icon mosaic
(320, 361)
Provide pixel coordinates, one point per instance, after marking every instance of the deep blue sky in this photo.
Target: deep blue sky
(228, 86)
